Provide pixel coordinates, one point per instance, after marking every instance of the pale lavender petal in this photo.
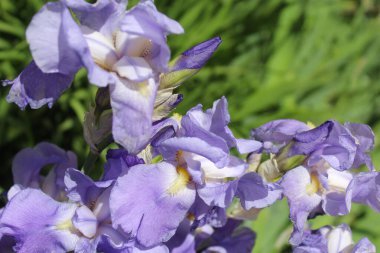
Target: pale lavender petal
(165, 202)
(85, 221)
(35, 88)
(247, 146)
(295, 184)
(65, 50)
(195, 145)
(132, 105)
(35, 220)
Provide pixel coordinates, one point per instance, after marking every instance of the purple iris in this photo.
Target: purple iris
(329, 239)
(326, 191)
(197, 171)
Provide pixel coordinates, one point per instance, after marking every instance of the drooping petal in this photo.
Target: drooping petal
(150, 201)
(39, 223)
(132, 105)
(35, 88)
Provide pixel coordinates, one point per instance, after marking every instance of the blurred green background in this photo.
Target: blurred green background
(311, 60)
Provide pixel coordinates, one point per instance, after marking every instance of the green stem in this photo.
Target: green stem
(92, 156)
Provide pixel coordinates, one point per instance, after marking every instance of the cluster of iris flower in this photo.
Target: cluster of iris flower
(176, 183)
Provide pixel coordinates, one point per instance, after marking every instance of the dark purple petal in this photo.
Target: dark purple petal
(35, 88)
(231, 238)
(197, 56)
(118, 162)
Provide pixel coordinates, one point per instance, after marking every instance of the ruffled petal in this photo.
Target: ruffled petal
(39, 223)
(145, 193)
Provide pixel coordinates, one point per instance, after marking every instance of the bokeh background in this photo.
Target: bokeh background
(310, 60)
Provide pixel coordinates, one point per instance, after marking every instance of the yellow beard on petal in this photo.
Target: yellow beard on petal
(314, 185)
(66, 225)
(180, 183)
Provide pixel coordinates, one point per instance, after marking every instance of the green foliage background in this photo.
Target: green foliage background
(310, 60)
